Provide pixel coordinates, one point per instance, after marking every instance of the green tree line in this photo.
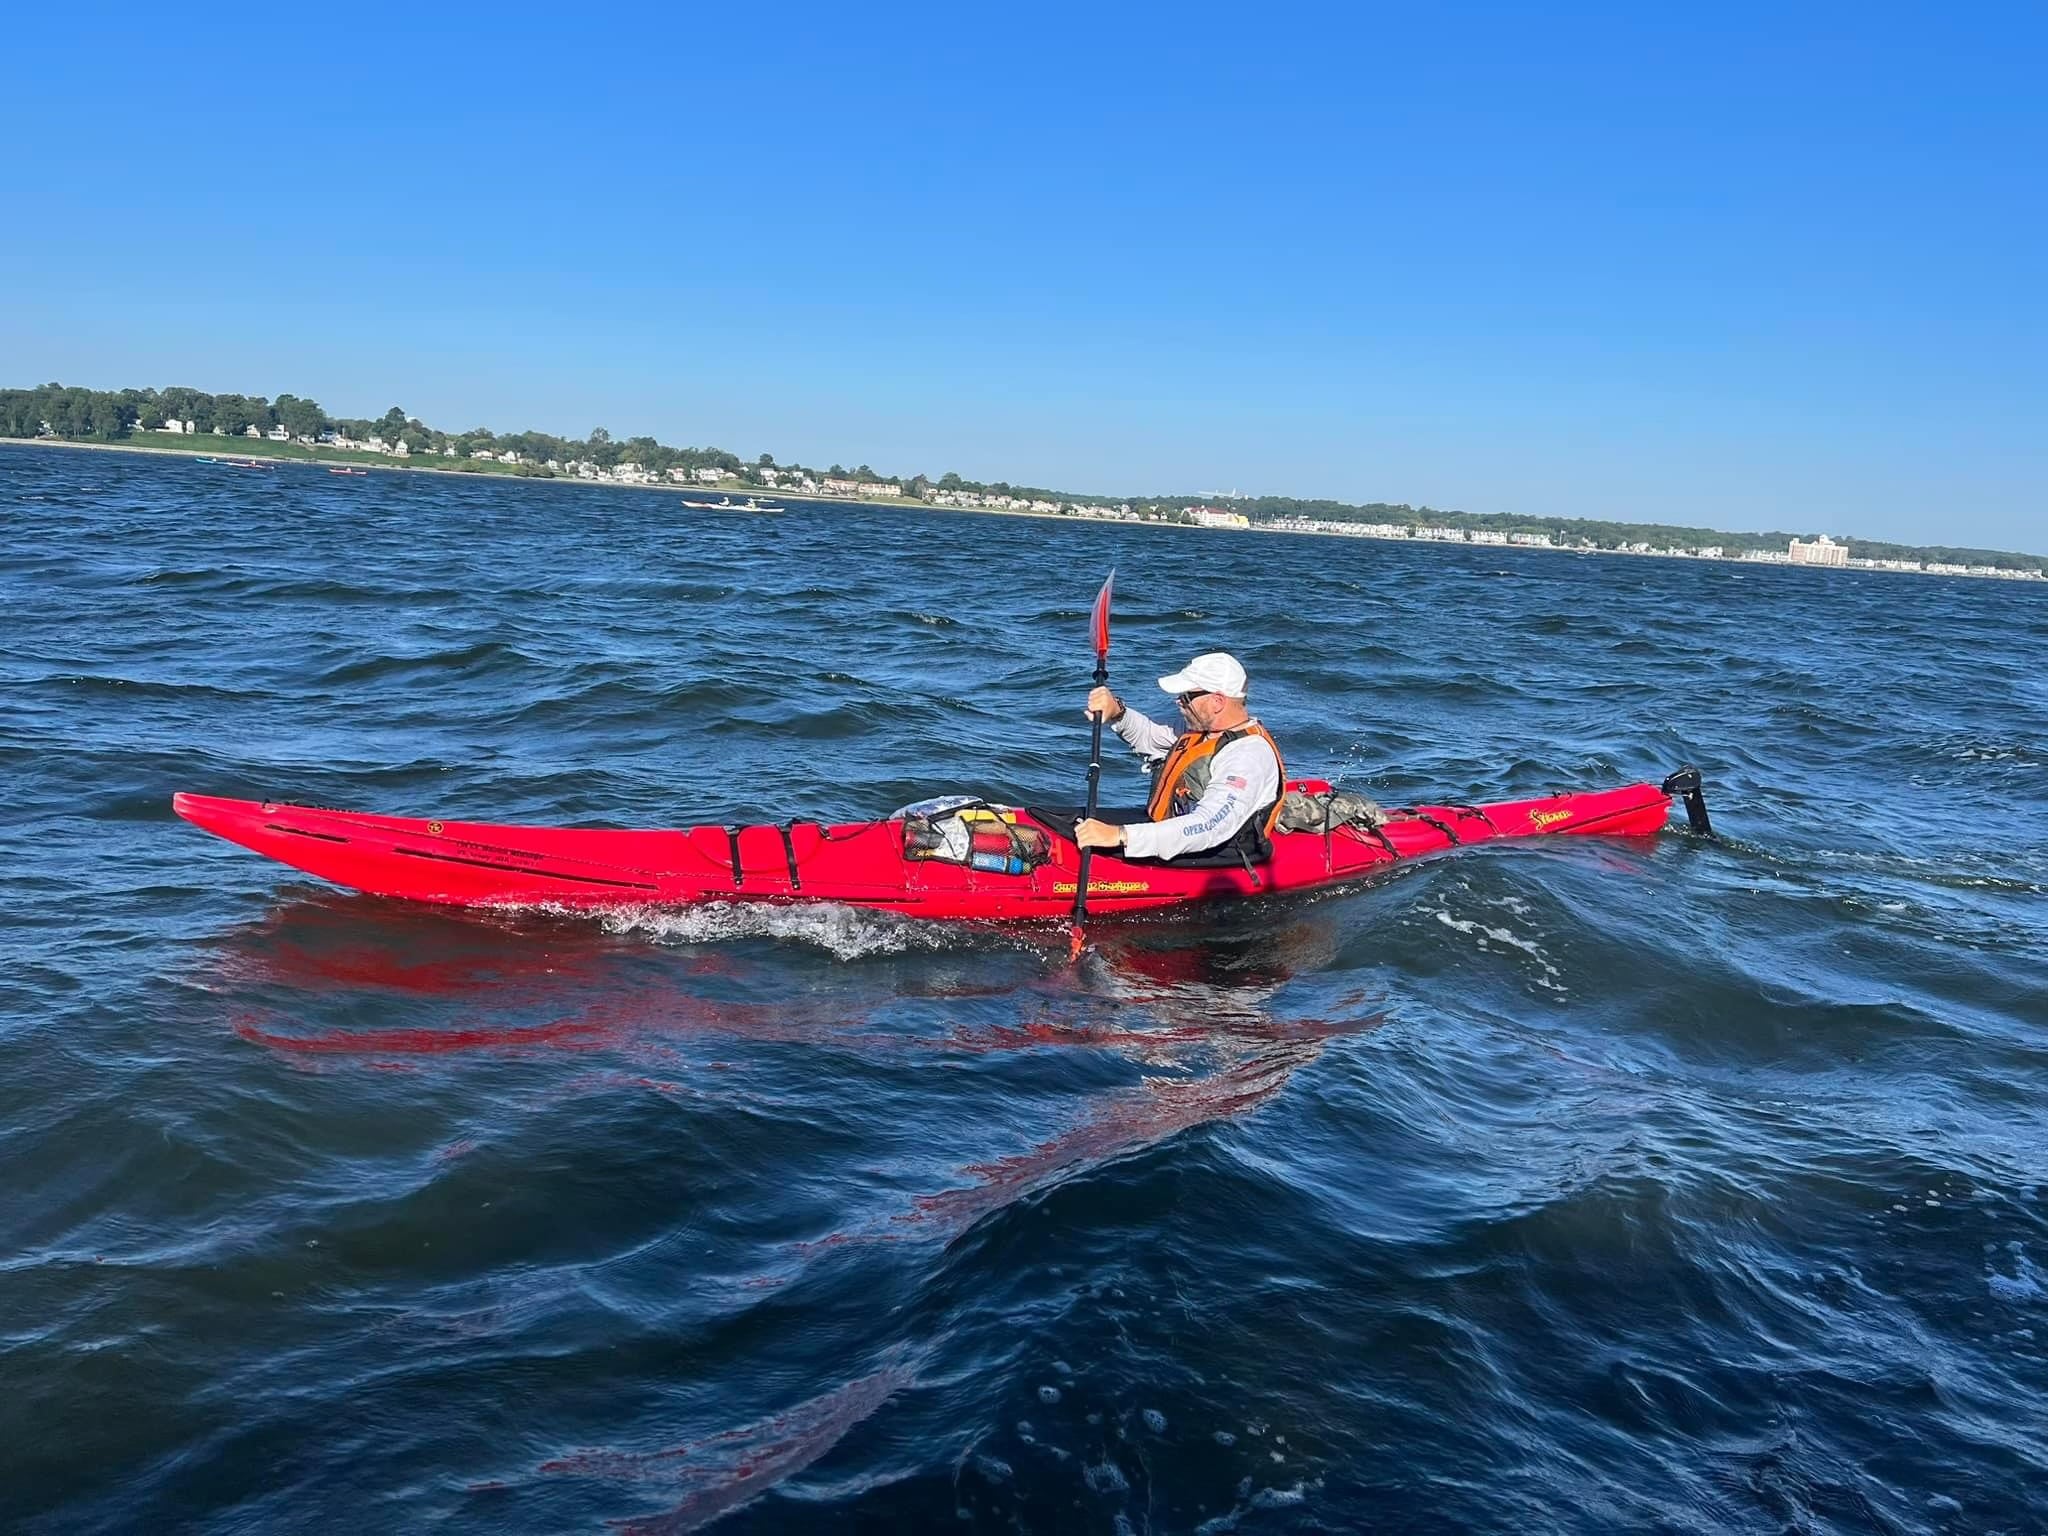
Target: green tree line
(95, 415)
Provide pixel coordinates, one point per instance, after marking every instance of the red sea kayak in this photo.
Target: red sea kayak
(872, 864)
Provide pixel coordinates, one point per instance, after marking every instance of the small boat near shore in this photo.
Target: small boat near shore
(345, 469)
(727, 504)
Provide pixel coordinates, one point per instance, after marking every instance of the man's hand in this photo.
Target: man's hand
(1089, 833)
(1104, 703)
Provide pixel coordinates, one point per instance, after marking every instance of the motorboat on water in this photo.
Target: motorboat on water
(727, 504)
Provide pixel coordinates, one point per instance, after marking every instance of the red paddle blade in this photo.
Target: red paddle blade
(1101, 618)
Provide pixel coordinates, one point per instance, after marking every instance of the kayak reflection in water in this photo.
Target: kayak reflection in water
(1216, 784)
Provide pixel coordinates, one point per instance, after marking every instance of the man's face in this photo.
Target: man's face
(1198, 709)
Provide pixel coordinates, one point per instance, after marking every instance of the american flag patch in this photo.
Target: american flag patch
(1237, 781)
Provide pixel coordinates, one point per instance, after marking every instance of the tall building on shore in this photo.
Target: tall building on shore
(1820, 550)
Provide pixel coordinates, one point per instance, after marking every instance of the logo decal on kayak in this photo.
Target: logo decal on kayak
(1104, 887)
(1549, 818)
(433, 829)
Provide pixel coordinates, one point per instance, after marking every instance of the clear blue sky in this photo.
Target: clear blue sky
(1751, 266)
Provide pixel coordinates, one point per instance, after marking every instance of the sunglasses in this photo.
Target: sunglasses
(1185, 699)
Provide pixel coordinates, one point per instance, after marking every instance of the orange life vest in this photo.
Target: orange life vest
(1179, 782)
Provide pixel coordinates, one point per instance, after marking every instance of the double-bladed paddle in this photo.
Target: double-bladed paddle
(1077, 929)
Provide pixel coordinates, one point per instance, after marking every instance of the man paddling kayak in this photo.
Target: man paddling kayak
(1215, 785)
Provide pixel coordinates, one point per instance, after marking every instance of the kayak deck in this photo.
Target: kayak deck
(479, 864)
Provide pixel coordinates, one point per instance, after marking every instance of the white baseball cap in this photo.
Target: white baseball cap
(1214, 672)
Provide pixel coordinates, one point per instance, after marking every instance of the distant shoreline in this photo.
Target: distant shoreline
(376, 462)
(255, 449)
(367, 462)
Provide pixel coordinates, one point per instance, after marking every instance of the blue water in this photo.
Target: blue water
(1597, 1185)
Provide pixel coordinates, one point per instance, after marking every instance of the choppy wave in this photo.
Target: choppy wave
(1669, 1185)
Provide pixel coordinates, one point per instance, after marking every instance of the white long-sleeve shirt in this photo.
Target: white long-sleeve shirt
(1244, 777)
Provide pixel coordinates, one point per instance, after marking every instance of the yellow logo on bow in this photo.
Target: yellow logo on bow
(1549, 818)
